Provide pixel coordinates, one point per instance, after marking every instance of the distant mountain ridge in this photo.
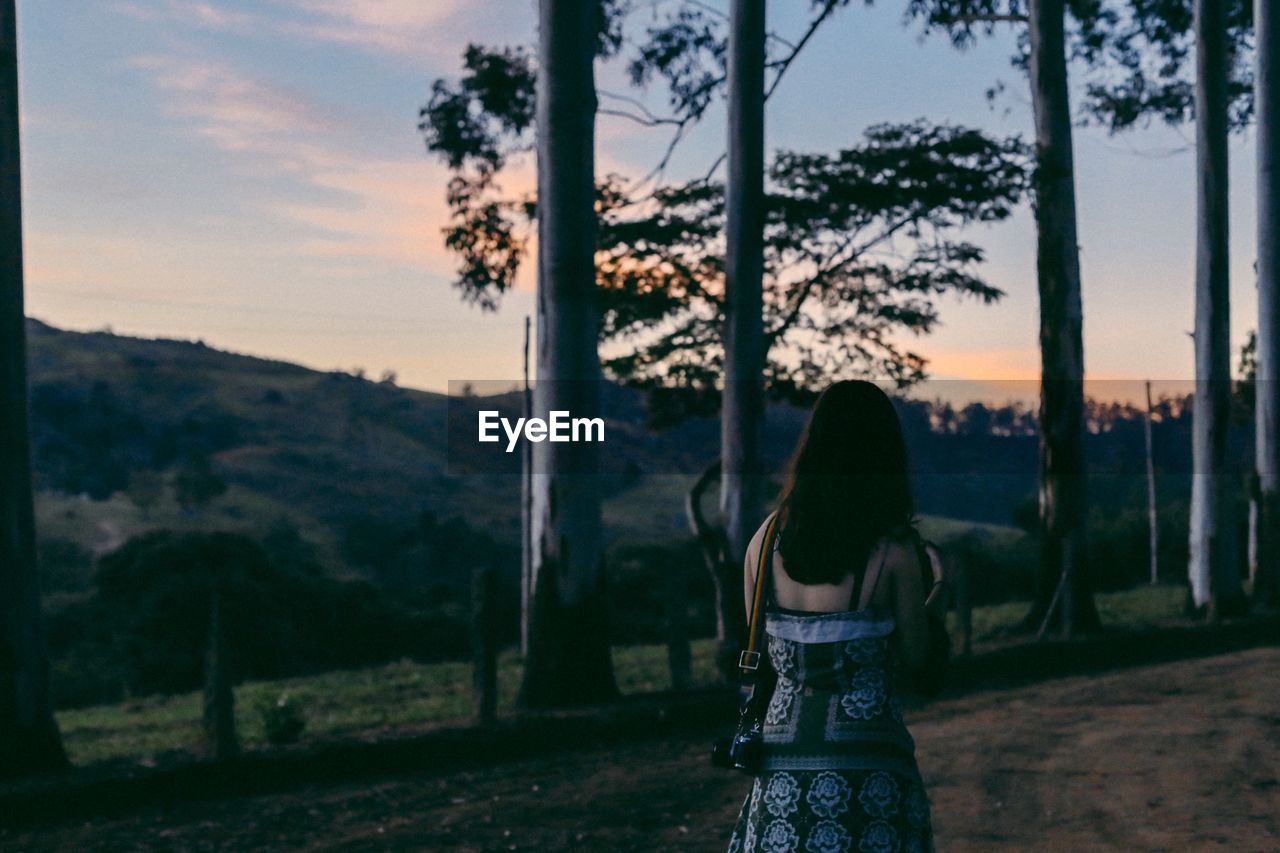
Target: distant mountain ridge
(330, 444)
(333, 446)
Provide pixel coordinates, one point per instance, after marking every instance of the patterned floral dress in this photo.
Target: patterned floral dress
(839, 770)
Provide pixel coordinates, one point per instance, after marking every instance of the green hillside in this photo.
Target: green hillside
(297, 447)
(333, 479)
(310, 447)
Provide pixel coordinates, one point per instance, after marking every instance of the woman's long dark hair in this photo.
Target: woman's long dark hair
(848, 485)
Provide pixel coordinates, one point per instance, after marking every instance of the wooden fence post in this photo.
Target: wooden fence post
(220, 742)
(679, 656)
(484, 645)
(1153, 519)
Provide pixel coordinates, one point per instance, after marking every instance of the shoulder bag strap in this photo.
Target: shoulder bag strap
(749, 660)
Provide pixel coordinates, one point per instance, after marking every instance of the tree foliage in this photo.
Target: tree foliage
(1137, 56)
(1143, 66)
(964, 21)
(859, 242)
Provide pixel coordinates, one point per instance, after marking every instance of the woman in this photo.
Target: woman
(846, 603)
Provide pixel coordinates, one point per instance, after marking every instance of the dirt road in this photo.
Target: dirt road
(1181, 756)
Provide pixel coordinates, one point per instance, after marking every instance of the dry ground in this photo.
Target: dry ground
(1181, 756)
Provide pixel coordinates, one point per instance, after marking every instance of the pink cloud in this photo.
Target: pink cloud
(202, 13)
(388, 209)
(233, 111)
(409, 28)
(396, 213)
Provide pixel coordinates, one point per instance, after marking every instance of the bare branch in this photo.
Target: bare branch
(786, 61)
(645, 116)
(991, 19)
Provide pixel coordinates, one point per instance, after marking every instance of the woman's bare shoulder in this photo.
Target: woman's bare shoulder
(902, 550)
(757, 541)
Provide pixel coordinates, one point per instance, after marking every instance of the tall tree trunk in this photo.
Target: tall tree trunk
(743, 411)
(29, 739)
(1062, 462)
(568, 660)
(1212, 567)
(1267, 106)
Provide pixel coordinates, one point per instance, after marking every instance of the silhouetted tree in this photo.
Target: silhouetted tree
(29, 739)
(1142, 71)
(1063, 505)
(857, 243)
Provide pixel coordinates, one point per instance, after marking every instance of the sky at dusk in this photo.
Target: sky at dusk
(250, 174)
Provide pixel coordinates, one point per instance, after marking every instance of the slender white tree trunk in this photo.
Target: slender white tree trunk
(742, 413)
(1267, 442)
(568, 659)
(1212, 546)
(29, 738)
(1062, 462)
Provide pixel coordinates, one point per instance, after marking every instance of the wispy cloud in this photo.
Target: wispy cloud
(356, 206)
(408, 28)
(237, 113)
(389, 210)
(199, 13)
(413, 30)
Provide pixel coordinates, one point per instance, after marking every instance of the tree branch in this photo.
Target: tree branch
(786, 61)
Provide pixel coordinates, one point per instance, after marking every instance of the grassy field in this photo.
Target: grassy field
(1139, 607)
(407, 695)
(653, 512)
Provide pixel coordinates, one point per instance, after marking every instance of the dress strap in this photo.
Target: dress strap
(765, 564)
(871, 578)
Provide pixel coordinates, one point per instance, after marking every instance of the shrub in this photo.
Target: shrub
(282, 720)
(143, 628)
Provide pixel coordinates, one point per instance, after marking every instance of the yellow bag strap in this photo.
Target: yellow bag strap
(749, 660)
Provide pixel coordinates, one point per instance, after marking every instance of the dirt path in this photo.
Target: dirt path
(1182, 756)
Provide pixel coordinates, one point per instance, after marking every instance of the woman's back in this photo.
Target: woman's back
(846, 602)
(848, 594)
(890, 580)
(838, 768)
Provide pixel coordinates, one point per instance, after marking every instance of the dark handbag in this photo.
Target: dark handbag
(756, 680)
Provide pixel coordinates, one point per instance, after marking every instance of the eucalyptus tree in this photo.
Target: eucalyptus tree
(1267, 430)
(1215, 580)
(742, 411)
(29, 739)
(1063, 591)
(857, 246)
(568, 658)
(1143, 70)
